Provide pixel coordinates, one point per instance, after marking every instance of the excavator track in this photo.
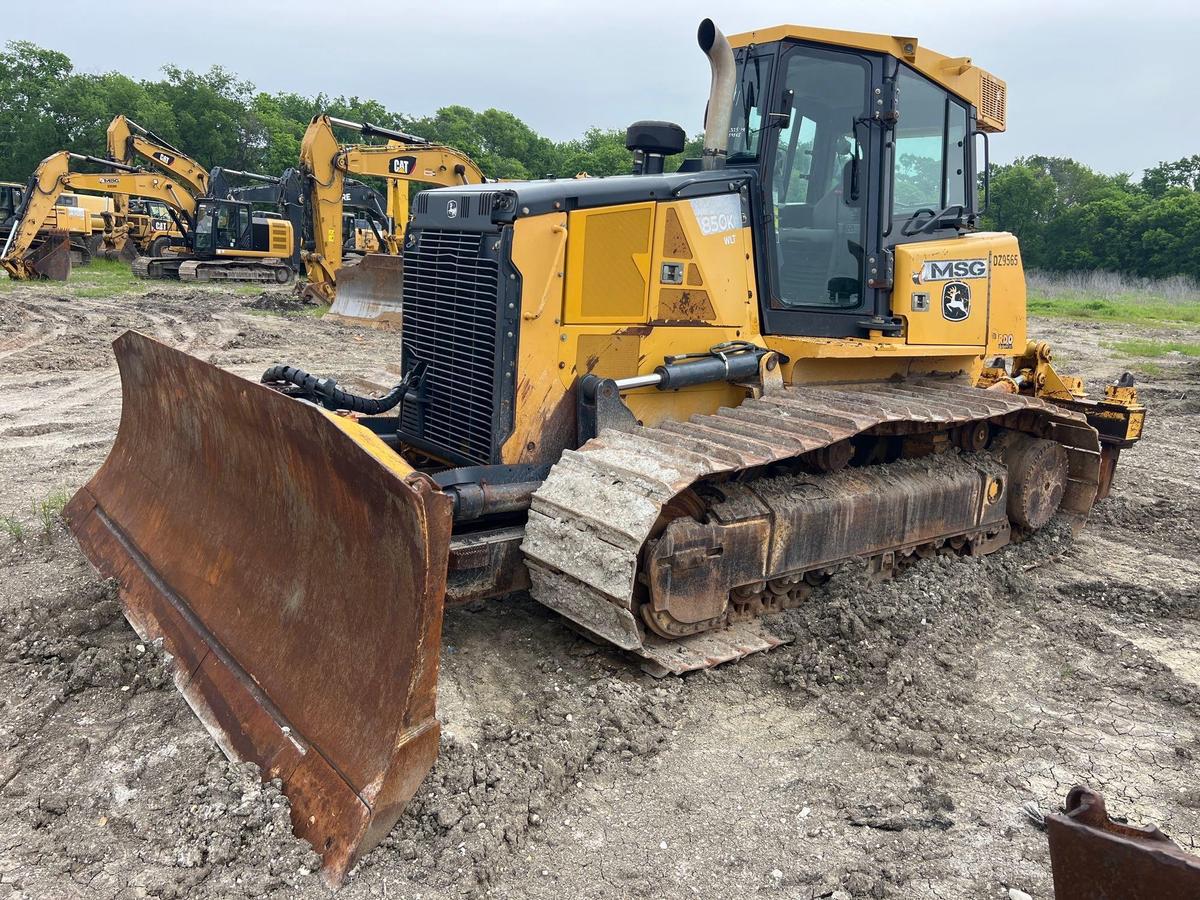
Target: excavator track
(641, 511)
(268, 271)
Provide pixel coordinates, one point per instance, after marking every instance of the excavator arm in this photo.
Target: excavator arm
(404, 159)
(128, 140)
(53, 176)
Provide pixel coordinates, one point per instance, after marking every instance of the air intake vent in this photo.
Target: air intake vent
(993, 100)
(422, 202)
(452, 323)
(486, 201)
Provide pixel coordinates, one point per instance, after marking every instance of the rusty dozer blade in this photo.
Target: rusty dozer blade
(371, 292)
(1093, 856)
(295, 568)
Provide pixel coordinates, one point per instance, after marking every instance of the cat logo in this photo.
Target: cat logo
(956, 301)
(402, 165)
(165, 158)
(451, 209)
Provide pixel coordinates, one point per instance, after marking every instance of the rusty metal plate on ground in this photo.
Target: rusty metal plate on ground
(371, 292)
(1095, 858)
(297, 581)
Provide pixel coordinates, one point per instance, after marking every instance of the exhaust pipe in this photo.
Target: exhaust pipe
(720, 93)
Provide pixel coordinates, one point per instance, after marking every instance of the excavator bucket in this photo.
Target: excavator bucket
(50, 259)
(371, 292)
(295, 568)
(128, 251)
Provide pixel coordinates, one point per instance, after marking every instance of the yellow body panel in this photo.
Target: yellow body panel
(979, 272)
(578, 319)
(279, 243)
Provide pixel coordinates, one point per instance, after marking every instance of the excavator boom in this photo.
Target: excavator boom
(369, 291)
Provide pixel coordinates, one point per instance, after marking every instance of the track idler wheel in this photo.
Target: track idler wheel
(1037, 479)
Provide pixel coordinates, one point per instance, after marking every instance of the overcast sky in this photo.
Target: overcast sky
(1106, 83)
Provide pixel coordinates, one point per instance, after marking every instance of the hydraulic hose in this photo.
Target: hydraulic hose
(330, 395)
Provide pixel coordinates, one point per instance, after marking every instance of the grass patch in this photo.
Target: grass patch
(1130, 309)
(49, 511)
(13, 527)
(1112, 297)
(102, 278)
(308, 312)
(1154, 349)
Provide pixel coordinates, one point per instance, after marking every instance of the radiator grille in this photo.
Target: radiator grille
(451, 322)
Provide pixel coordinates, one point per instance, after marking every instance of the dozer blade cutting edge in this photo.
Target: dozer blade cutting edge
(295, 568)
(369, 292)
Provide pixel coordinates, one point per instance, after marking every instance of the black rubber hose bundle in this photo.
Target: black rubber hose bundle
(330, 395)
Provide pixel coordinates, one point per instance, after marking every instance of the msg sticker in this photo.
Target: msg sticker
(715, 215)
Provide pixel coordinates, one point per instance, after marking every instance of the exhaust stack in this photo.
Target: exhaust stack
(720, 93)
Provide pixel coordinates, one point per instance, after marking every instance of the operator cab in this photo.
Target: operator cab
(856, 152)
(232, 228)
(10, 202)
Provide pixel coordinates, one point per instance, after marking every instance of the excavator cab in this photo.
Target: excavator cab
(222, 226)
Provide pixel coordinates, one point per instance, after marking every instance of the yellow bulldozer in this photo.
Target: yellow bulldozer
(667, 405)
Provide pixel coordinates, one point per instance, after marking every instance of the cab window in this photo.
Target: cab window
(930, 147)
(748, 121)
(818, 181)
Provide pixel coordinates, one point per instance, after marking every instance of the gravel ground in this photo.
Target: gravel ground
(885, 752)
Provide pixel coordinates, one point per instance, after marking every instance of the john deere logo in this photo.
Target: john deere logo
(956, 300)
(451, 209)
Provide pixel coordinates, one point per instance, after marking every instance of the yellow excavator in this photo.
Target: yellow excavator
(667, 405)
(225, 238)
(71, 233)
(369, 291)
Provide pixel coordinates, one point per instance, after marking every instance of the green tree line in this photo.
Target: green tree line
(219, 119)
(1068, 217)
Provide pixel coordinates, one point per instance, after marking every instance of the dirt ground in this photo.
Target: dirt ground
(886, 752)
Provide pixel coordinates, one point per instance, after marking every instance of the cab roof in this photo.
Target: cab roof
(957, 74)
